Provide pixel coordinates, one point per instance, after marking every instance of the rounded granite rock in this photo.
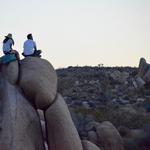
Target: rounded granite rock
(109, 137)
(62, 134)
(20, 127)
(87, 145)
(38, 81)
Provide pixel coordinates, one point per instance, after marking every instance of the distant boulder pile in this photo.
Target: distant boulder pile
(120, 95)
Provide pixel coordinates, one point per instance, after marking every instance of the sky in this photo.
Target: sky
(80, 32)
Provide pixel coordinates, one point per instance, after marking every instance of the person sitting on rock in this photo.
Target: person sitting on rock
(30, 47)
(8, 42)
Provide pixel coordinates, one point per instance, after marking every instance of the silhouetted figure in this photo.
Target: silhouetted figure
(30, 48)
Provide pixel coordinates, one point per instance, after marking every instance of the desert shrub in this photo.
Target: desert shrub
(118, 117)
(65, 84)
(95, 113)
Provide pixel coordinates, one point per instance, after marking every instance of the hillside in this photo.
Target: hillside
(104, 93)
(98, 84)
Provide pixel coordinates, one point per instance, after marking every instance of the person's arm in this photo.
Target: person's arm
(11, 43)
(35, 46)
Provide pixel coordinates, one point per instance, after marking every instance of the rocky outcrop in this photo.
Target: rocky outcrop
(20, 125)
(144, 70)
(142, 79)
(32, 85)
(87, 145)
(143, 67)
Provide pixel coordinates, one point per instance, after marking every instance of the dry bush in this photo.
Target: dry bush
(118, 117)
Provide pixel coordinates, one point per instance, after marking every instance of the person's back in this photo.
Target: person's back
(29, 47)
(7, 44)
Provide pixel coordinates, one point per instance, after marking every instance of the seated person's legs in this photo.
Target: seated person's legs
(35, 54)
(16, 54)
(13, 52)
(7, 53)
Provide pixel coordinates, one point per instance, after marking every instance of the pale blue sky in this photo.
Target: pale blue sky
(83, 32)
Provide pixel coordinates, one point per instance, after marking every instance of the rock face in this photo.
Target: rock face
(38, 80)
(11, 72)
(62, 134)
(108, 137)
(19, 123)
(144, 70)
(87, 145)
(143, 67)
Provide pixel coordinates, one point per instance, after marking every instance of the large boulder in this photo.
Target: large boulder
(38, 80)
(87, 145)
(62, 134)
(20, 127)
(108, 137)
